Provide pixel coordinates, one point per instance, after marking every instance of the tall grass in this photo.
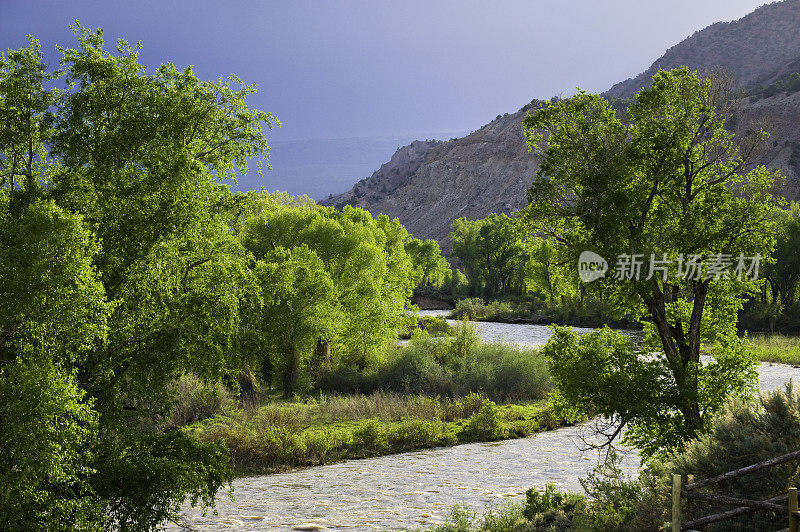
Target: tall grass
(776, 348)
(453, 367)
(282, 435)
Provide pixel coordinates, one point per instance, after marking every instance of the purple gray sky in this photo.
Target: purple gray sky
(392, 69)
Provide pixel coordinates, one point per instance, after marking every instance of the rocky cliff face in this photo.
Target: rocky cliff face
(428, 184)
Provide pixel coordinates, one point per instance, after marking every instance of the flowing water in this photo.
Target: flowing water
(418, 489)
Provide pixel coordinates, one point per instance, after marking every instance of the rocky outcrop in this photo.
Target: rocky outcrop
(489, 170)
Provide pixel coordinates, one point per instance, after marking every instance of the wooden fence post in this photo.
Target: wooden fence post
(676, 503)
(793, 521)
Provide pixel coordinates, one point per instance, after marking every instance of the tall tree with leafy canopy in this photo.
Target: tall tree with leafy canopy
(665, 181)
(300, 308)
(365, 259)
(128, 275)
(492, 252)
(784, 272)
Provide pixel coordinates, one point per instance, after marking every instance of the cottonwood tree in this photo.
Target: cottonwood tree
(492, 252)
(667, 181)
(118, 273)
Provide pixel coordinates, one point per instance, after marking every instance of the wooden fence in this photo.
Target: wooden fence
(743, 506)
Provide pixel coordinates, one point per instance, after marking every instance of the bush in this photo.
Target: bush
(614, 499)
(507, 372)
(414, 433)
(485, 425)
(451, 368)
(196, 400)
(432, 325)
(475, 308)
(747, 433)
(554, 510)
(369, 438)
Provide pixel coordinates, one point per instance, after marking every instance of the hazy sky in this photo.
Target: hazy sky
(361, 68)
(342, 69)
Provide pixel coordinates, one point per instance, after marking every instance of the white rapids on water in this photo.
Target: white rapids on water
(418, 489)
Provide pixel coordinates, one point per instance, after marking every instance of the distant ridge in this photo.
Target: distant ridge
(428, 184)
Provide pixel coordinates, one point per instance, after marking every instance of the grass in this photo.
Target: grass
(282, 435)
(776, 348)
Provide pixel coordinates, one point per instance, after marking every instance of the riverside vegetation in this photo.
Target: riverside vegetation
(668, 169)
(429, 393)
(142, 299)
(160, 334)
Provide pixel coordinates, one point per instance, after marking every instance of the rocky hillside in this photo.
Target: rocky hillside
(754, 49)
(428, 184)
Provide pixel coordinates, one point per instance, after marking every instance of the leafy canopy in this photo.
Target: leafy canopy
(665, 179)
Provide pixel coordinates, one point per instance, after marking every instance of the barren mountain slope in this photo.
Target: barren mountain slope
(428, 184)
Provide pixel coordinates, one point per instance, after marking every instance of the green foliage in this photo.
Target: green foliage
(431, 325)
(196, 400)
(47, 437)
(554, 510)
(120, 273)
(784, 273)
(486, 424)
(365, 260)
(492, 253)
(545, 273)
(474, 308)
(369, 438)
(615, 501)
(299, 309)
(284, 435)
(600, 372)
(430, 268)
(776, 348)
(645, 183)
(746, 433)
(453, 368)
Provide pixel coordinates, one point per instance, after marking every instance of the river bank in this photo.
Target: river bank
(418, 489)
(289, 435)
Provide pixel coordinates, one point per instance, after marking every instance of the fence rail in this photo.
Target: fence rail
(785, 503)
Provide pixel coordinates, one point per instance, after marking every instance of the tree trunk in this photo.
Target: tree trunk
(290, 372)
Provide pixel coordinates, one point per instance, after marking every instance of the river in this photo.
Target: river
(418, 489)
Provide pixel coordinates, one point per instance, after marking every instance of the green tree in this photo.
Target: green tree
(668, 182)
(784, 272)
(365, 259)
(430, 268)
(545, 272)
(491, 251)
(300, 308)
(120, 272)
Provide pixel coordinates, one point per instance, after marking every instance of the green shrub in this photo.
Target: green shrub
(435, 326)
(614, 499)
(486, 425)
(195, 400)
(506, 372)
(747, 433)
(475, 308)
(369, 438)
(431, 325)
(414, 433)
(554, 510)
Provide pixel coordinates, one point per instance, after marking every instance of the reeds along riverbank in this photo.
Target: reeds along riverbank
(285, 435)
